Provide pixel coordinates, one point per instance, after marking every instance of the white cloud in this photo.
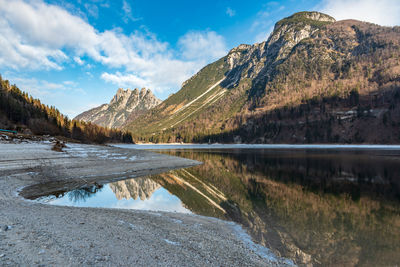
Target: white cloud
(126, 7)
(382, 12)
(204, 46)
(37, 87)
(105, 5)
(70, 83)
(158, 69)
(124, 80)
(127, 10)
(54, 94)
(92, 10)
(263, 25)
(230, 12)
(263, 36)
(32, 35)
(79, 61)
(37, 35)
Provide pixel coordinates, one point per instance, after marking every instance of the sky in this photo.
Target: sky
(74, 55)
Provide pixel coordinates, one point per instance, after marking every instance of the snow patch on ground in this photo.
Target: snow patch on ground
(84, 151)
(200, 96)
(176, 220)
(256, 146)
(258, 249)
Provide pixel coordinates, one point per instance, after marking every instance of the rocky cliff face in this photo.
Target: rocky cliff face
(125, 105)
(311, 70)
(259, 60)
(142, 188)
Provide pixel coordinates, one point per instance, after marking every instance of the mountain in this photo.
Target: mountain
(314, 80)
(284, 204)
(25, 114)
(125, 106)
(142, 188)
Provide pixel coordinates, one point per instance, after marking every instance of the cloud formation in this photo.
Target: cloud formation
(230, 12)
(202, 45)
(37, 35)
(124, 80)
(158, 67)
(127, 11)
(382, 12)
(41, 87)
(264, 23)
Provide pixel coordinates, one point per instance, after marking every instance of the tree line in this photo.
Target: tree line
(20, 111)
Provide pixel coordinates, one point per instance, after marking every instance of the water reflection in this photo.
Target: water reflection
(83, 193)
(315, 207)
(319, 208)
(142, 188)
(139, 193)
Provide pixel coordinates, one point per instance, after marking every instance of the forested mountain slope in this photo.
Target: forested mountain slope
(314, 80)
(21, 112)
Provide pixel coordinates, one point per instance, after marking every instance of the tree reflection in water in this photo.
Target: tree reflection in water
(81, 194)
(319, 208)
(315, 207)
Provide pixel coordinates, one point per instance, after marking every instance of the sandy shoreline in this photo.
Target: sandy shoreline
(34, 234)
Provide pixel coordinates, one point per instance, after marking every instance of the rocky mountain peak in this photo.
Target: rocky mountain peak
(307, 17)
(146, 92)
(311, 67)
(289, 31)
(142, 188)
(121, 93)
(125, 104)
(239, 48)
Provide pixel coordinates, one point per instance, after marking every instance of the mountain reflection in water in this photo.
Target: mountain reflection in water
(319, 208)
(315, 207)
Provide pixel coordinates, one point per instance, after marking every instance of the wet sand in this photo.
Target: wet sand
(35, 234)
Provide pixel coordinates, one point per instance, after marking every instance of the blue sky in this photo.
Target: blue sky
(76, 54)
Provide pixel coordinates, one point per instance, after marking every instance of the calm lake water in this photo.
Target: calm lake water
(334, 206)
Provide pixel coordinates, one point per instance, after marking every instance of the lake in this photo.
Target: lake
(319, 205)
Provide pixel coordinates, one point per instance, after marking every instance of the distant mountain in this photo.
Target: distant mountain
(314, 80)
(25, 114)
(142, 188)
(125, 106)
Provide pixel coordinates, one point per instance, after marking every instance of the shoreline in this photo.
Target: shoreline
(39, 234)
(148, 146)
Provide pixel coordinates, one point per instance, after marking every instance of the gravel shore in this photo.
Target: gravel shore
(35, 234)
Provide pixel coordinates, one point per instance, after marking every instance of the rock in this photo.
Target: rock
(101, 258)
(142, 188)
(6, 228)
(124, 106)
(58, 146)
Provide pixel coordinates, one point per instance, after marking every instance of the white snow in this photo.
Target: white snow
(200, 96)
(257, 146)
(213, 98)
(258, 249)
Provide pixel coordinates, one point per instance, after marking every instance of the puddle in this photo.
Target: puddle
(138, 194)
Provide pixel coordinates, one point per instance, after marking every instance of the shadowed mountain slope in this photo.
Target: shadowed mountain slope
(314, 80)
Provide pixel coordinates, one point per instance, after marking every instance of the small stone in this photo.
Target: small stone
(2, 255)
(42, 251)
(100, 258)
(6, 228)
